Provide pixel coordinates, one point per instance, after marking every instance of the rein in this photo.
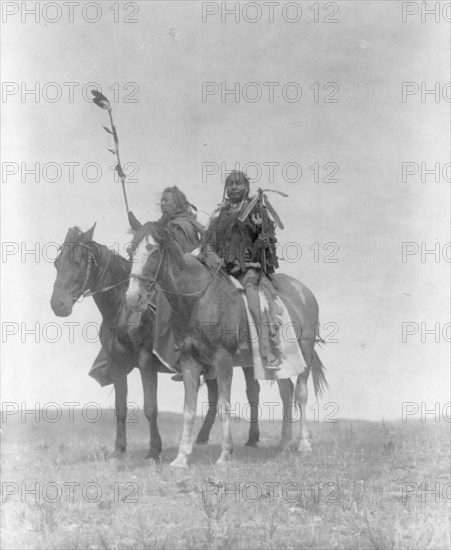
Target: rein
(199, 292)
(153, 280)
(104, 289)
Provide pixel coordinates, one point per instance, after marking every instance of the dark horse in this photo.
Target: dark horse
(83, 264)
(203, 299)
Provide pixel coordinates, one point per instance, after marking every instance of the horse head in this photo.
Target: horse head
(146, 251)
(73, 267)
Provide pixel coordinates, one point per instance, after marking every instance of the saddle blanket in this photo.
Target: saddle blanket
(293, 362)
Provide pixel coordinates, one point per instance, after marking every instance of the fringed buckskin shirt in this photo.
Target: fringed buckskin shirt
(236, 241)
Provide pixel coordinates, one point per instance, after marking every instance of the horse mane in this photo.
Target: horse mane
(168, 241)
(165, 237)
(118, 260)
(74, 236)
(154, 229)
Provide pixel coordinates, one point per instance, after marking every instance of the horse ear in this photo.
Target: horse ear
(135, 224)
(87, 237)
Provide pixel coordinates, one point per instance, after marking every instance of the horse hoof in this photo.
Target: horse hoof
(180, 463)
(201, 441)
(250, 443)
(224, 458)
(154, 464)
(154, 455)
(304, 447)
(118, 453)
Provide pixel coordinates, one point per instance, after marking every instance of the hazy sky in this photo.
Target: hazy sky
(172, 133)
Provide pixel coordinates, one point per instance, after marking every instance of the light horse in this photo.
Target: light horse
(85, 268)
(208, 310)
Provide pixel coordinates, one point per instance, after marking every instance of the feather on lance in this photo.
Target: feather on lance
(102, 101)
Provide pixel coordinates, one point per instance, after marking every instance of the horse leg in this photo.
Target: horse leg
(286, 390)
(253, 396)
(209, 420)
(301, 398)
(191, 381)
(307, 345)
(119, 378)
(149, 377)
(223, 360)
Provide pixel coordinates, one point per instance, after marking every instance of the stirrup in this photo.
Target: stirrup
(178, 377)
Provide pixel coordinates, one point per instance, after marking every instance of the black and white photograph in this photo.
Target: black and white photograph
(225, 291)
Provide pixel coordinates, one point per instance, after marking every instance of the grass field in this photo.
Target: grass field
(360, 488)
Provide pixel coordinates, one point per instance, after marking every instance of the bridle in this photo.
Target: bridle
(91, 259)
(150, 282)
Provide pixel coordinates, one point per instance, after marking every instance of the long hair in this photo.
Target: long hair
(183, 206)
(236, 175)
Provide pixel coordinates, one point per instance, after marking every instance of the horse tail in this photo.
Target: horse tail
(319, 375)
(318, 338)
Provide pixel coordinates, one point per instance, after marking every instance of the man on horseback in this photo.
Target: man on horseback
(179, 218)
(241, 236)
(177, 215)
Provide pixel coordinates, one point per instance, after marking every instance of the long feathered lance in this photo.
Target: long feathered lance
(101, 101)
